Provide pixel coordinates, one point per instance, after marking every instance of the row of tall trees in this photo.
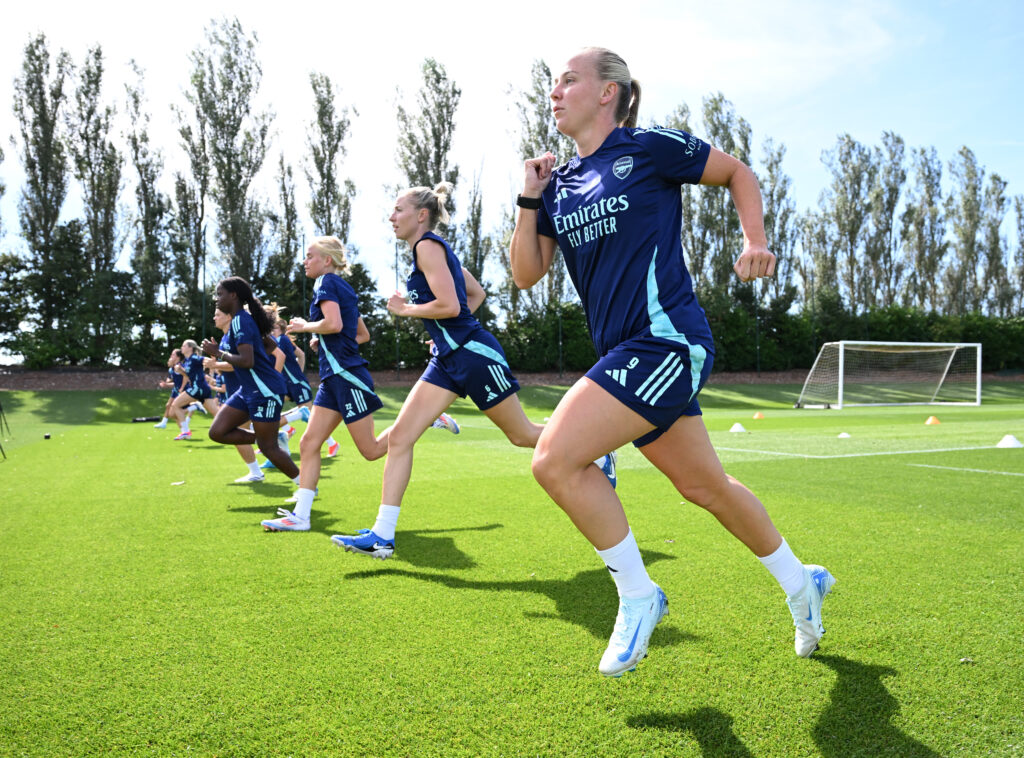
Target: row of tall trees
(891, 230)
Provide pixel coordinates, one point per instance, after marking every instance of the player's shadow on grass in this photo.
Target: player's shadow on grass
(710, 727)
(857, 720)
(432, 548)
(587, 600)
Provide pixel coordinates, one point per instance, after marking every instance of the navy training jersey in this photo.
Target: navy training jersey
(175, 377)
(291, 369)
(337, 351)
(617, 215)
(193, 366)
(262, 379)
(231, 384)
(448, 334)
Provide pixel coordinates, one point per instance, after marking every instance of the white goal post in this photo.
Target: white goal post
(853, 372)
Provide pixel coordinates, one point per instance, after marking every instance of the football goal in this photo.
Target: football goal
(893, 373)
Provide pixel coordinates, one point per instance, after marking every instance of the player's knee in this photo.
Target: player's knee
(372, 452)
(401, 439)
(548, 469)
(521, 439)
(269, 447)
(308, 446)
(704, 493)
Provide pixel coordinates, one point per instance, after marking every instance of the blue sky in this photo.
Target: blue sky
(940, 74)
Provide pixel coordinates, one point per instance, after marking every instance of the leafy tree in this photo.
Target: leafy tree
(97, 164)
(695, 237)
(226, 76)
(188, 248)
(283, 280)
(425, 133)
(13, 303)
(58, 336)
(537, 130)
(474, 246)
(3, 189)
(424, 143)
(151, 242)
(846, 205)
(817, 268)
(330, 205)
(537, 135)
(882, 247)
(779, 218)
(39, 98)
(998, 297)
(188, 235)
(923, 231)
(963, 209)
(715, 210)
(1018, 269)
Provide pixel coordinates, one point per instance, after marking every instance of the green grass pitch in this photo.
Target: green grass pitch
(144, 611)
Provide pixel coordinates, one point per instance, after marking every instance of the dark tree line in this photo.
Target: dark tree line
(899, 246)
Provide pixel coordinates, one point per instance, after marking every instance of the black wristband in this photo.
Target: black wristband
(530, 203)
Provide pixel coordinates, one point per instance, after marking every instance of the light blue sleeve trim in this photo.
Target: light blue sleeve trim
(662, 326)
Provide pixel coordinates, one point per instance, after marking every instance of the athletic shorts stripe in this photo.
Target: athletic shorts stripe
(499, 377)
(663, 378)
(644, 390)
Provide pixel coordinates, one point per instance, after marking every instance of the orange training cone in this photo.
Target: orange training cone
(758, 415)
(932, 421)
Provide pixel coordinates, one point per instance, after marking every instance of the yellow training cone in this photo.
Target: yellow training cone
(932, 421)
(758, 415)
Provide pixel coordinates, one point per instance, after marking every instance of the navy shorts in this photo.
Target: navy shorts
(655, 377)
(299, 392)
(350, 394)
(477, 369)
(200, 393)
(260, 408)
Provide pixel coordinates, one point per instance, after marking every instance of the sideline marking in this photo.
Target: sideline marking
(972, 470)
(855, 455)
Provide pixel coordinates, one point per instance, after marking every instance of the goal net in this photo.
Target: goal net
(893, 373)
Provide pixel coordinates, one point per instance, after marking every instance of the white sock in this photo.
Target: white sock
(295, 481)
(627, 568)
(293, 415)
(254, 468)
(163, 420)
(184, 426)
(331, 441)
(786, 569)
(304, 503)
(387, 520)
